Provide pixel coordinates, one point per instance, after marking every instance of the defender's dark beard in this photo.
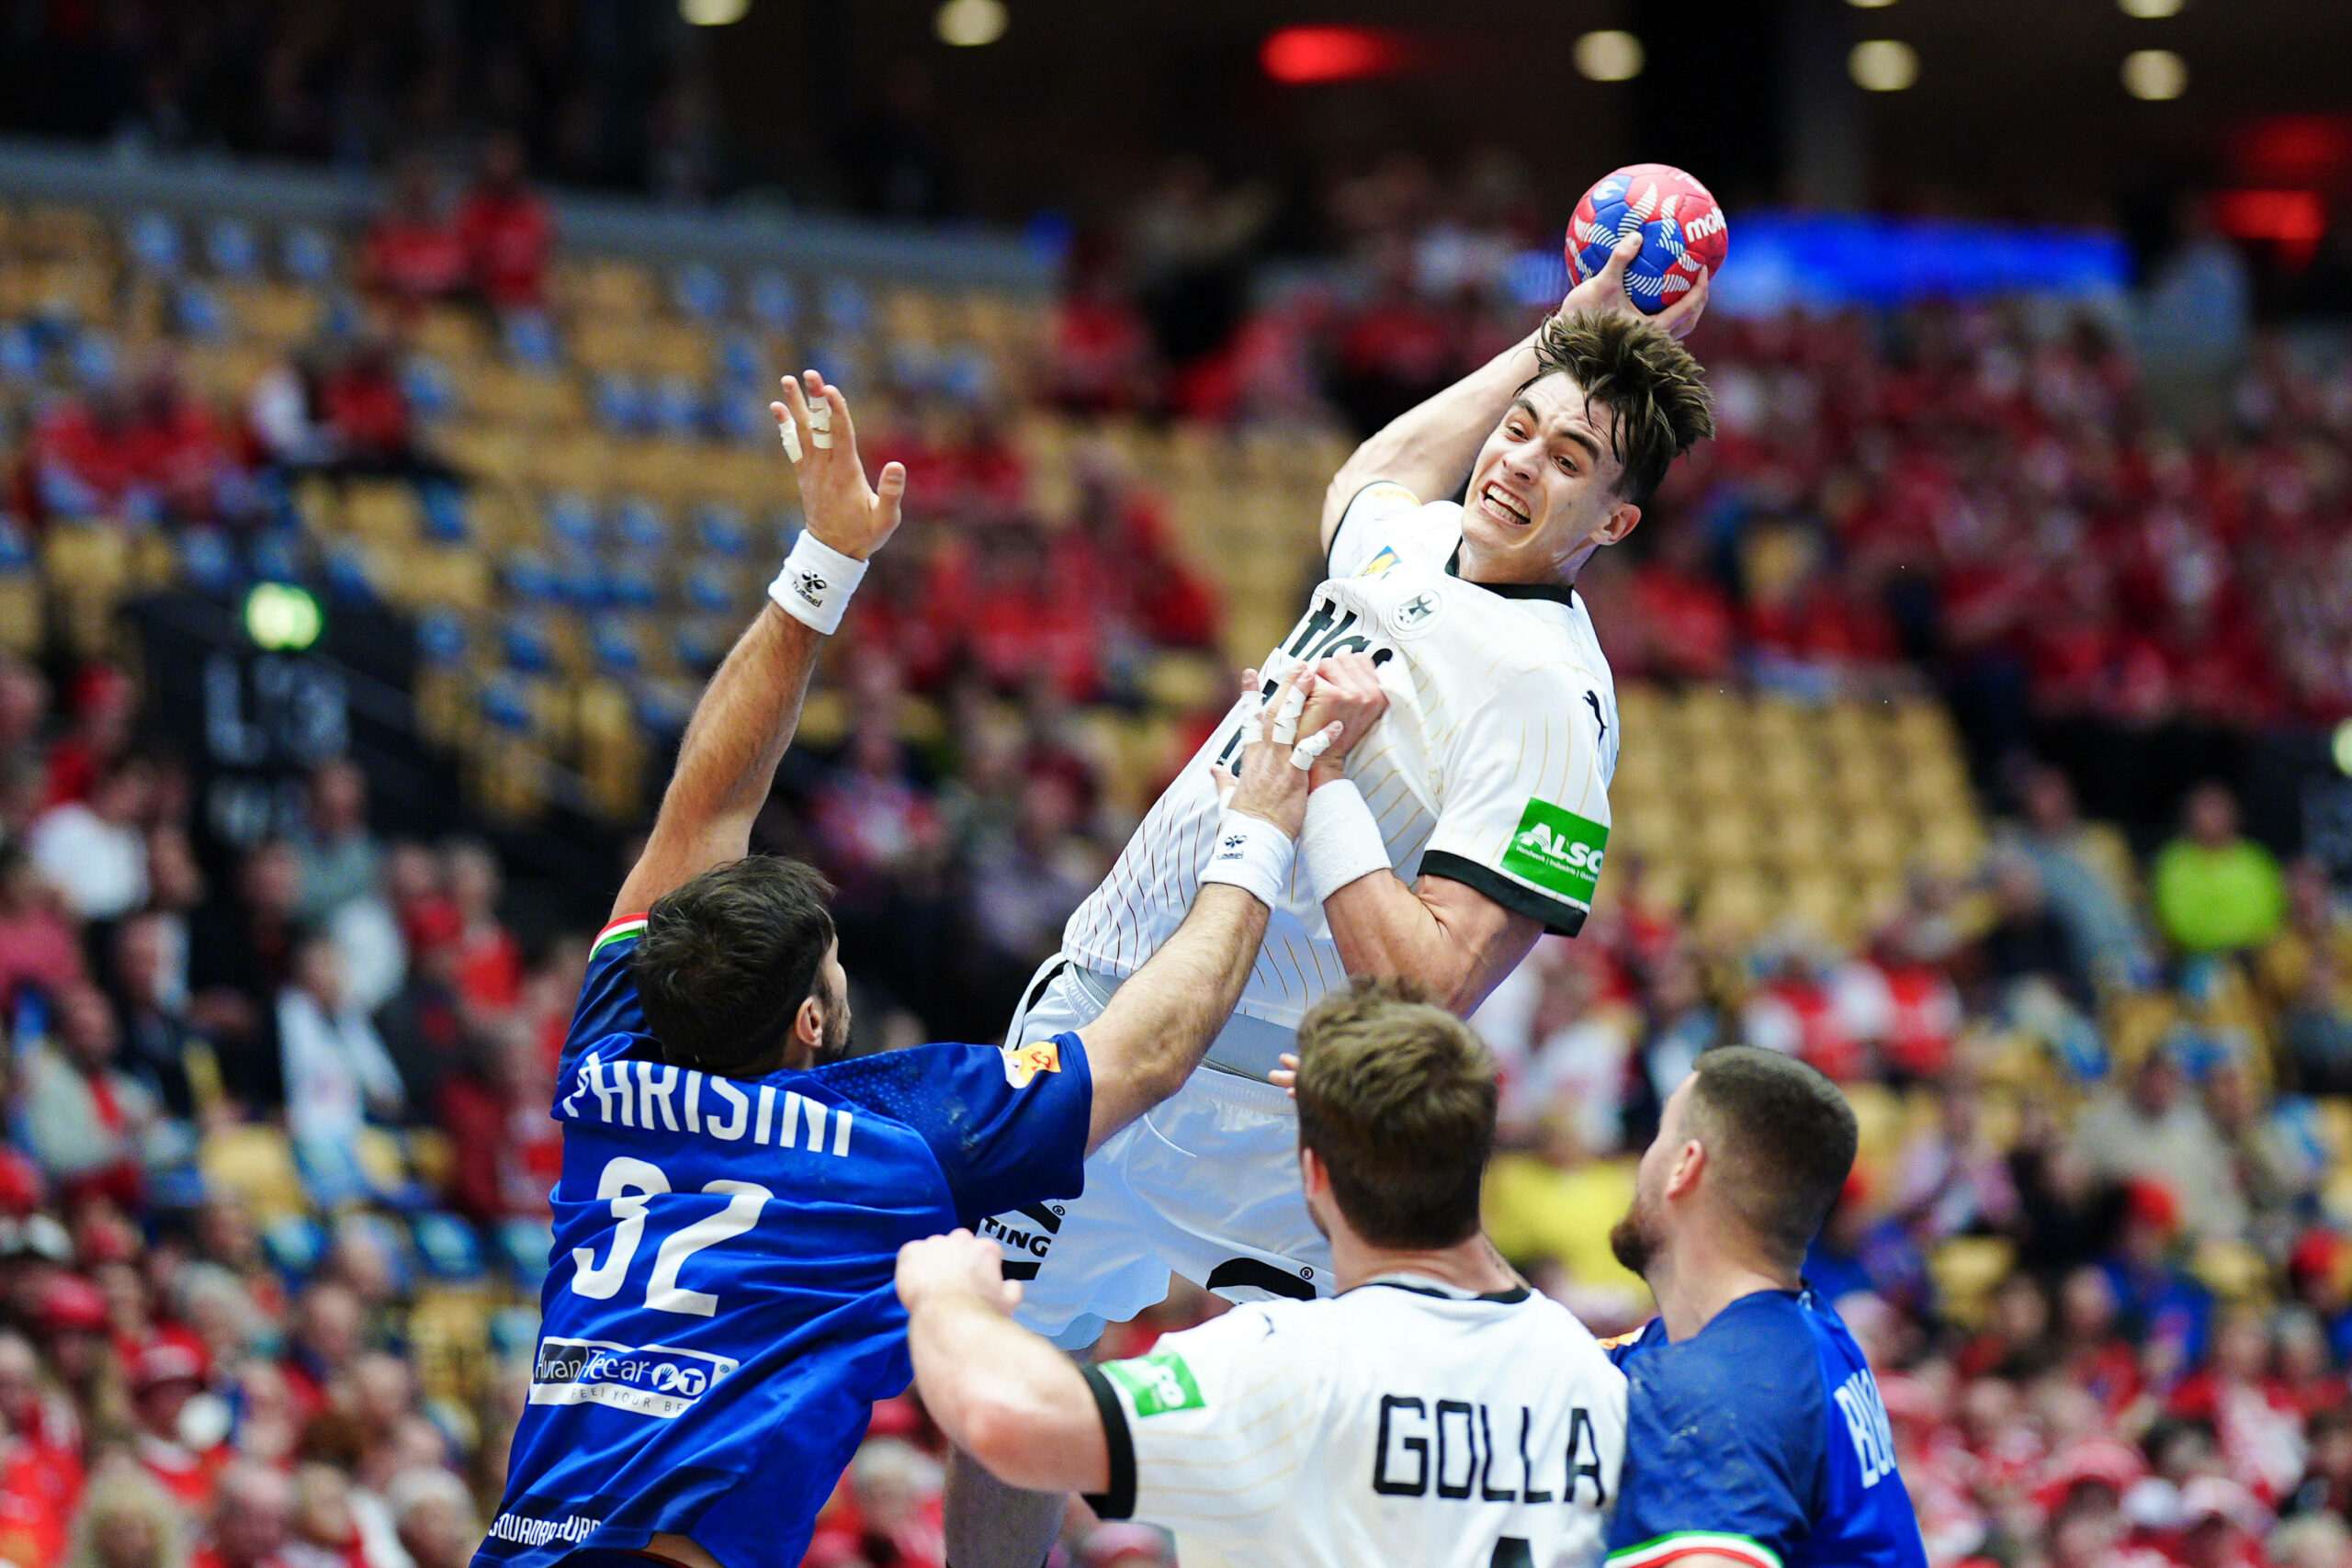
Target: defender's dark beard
(1632, 1242)
(834, 1046)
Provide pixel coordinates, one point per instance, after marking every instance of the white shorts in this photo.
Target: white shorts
(1205, 1185)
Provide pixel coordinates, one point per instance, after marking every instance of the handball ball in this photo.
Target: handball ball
(1684, 237)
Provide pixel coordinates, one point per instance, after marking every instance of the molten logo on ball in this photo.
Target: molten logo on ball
(1684, 237)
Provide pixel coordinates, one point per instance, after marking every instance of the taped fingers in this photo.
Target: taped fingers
(1302, 755)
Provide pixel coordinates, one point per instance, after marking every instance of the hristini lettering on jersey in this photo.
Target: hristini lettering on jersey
(662, 1095)
(1866, 1423)
(1449, 1447)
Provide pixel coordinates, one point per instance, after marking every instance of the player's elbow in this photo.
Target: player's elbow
(1009, 1437)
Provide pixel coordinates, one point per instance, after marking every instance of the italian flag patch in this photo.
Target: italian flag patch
(619, 931)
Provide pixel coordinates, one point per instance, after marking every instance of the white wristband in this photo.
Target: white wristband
(1341, 842)
(1252, 854)
(816, 583)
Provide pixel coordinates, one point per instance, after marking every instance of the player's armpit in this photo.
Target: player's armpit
(1438, 933)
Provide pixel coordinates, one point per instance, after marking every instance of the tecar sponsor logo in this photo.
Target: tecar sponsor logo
(1025, 1063)
(1558, 850)
(1157, 1384)
(652, 1379)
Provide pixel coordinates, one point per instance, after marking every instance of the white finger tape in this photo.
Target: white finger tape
(789, 429)
(1302, 755)
(820, 424)
(1286, 726)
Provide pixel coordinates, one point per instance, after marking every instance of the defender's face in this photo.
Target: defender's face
(1543, 491)
(834, 982)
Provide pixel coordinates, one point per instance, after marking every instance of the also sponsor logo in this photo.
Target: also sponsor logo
(1157, 1385)
(1558, 850)
(651, 1380)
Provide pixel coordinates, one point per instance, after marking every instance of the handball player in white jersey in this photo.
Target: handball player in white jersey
(1473, 817)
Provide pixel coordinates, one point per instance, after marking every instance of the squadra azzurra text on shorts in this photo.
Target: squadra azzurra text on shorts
(662, 1095)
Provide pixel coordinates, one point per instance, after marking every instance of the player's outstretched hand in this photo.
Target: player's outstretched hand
(1286, 1076)
(844, 511)
(1346, 689)
(956, 1264)
(1604, 293)
(1277, 753)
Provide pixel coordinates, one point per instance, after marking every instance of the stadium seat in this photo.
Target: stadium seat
(256, 1164)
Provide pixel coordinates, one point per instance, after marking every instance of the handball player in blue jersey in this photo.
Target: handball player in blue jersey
(1755, 1437)
(720, 1316)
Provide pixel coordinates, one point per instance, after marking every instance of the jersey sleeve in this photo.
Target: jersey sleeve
(1007, 1127)
(1525, 815)
(1386, 516)
(608, 1003)
(1723, 1453)
(1208, 1431)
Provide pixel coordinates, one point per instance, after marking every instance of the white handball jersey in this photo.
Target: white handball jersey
(1491, 766)
(1402, 1423)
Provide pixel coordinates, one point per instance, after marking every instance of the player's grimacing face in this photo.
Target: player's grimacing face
(1543, 489)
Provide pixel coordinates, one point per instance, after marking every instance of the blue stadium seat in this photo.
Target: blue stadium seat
(615, 648)
(621, 403)
(580, 578)
(774, 300)
(531, 340)
(229, 246)
(846, 305)
(197, 310)
(350, 577)
(444, 506)
(294, 1244)
(697, 649)
(570, 520)
(634, 581)
(710, 588)
(743, 360)
(20, 353)
(441, 637)
(448, 1247)
(700, 291)
(431, 389)
(16, 551)
(207, 561)
(306, 254)
(277, 555)
(506, 704)
(155, 243)
(530, 578)
(524, 644)
(719, 528)
(94, 360)
(639, 523)
(674, 406)
(522, 1247)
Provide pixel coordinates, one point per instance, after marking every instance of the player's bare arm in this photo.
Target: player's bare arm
(1001, 1395)
(1429, 449)
(728, 760)
(1160, 1025)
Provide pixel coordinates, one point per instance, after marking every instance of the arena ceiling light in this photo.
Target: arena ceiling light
(970, 24)
(1883, 66)
(2154, 75)
(2150, 10)
(1608, 55)
(1299, 56)
(713, 12)
(1870, 5)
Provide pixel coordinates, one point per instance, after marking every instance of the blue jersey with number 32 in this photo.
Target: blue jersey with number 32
(1761, 1438)
(720, 1316)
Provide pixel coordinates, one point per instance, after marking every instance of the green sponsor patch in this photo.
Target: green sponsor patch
(1557, 851)
(1158, 1383)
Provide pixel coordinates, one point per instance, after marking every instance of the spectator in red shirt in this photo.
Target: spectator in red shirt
(367, 411)
(508, 230)
(489, 964)
(164, 1378)
(104, 703)
(38, 948)
(413, 255)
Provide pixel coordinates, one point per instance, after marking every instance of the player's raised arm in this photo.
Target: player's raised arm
(740, 729)
(1428, 449)
(1158, 1026)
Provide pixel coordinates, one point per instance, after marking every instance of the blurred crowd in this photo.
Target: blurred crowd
(272, 1210)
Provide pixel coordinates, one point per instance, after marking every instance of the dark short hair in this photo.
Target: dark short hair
(1396, 1098)
(1633, 369)
(1785, 1138)
(728, 958)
